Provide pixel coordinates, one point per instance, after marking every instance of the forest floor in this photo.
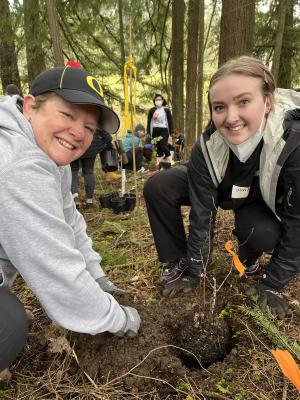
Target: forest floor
(182, 352)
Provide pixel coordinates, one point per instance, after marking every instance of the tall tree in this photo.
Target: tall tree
(236, 35)
(191, 74)
(34, 52)
(200, 68)
(121, 33)
(54, 32)
(177, 56)
(8, 59)
(284, 79)
(282, 11)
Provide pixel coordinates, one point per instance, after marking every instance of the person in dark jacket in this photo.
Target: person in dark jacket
(160, 125)
(101, 141)
(247, 160)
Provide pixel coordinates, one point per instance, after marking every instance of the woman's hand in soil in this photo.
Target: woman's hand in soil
(132, 323)
(108, 286)
(268, 297)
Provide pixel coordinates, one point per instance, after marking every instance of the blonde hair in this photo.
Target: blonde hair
(42, 98)
(248, 66)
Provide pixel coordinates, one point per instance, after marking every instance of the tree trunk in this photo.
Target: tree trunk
(200, 68)
(285, 65)
(8, 59)
(177, 55)
(54, 32)
(121, 32)
(236, 35)
(282, 11)
(191, 75)
(34, 51)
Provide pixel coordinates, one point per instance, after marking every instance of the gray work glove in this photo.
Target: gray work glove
(108, 286)
(132, 323)
(184, 284)
(269, 297)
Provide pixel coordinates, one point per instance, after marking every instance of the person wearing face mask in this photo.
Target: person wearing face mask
(160, 125)
(42, 235)
(246, 160)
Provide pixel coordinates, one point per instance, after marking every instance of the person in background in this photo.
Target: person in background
(139, 134)
(102, 140)
(160, 125)
(247, 160)
(12, 90)
(178, 144)
(42, 235)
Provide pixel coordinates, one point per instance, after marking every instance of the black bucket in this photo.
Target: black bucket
(130, 201)
(118, 204)
(104, 199)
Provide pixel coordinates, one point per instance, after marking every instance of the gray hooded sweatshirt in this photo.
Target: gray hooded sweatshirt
(42, 235)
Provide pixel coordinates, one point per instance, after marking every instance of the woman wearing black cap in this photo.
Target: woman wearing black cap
(42, 236)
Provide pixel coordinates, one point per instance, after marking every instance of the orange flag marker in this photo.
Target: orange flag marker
(288, 366)
(236, 261)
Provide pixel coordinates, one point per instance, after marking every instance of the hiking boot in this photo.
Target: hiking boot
(142, 170)
(252, 269)
(112, 176)
(173, 271)
(77, 202)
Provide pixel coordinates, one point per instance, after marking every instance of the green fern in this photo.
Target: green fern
(264, 320)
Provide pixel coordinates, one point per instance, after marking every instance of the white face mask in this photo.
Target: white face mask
(244, 150)
(158, 103)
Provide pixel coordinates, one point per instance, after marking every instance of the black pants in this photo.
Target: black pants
(162, 148)
(138, 159)
(256, 228)
(13, 328)
(164, 194)
(87, 165)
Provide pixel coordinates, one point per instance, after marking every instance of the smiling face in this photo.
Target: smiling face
(238, 106)
(63, 130)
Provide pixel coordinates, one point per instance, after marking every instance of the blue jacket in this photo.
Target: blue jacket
(127, 141)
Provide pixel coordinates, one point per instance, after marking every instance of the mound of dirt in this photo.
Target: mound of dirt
(154, 352)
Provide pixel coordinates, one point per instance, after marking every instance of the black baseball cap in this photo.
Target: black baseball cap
(77, 86)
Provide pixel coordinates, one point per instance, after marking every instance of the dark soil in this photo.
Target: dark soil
(167, 325)
(208, 340)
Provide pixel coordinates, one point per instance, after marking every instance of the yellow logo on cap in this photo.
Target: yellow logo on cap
(95, 85)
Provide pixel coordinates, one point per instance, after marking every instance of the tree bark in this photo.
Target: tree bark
(8, 60)
(285, 65)
(191, 74)
(121, 30)
(34, 52)
(200, 68)
(54, 32)
(236, 35)
(282, 11)
(177, 55)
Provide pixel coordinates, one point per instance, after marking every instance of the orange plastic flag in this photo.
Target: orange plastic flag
(288, 366)
(236, 261)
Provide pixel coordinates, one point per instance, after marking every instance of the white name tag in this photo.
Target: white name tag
(239, 192)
